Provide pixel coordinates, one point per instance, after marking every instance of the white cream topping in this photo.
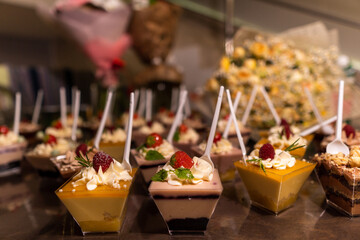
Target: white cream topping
(111, 177)
(278, 130)
(137, 122)
(156, 127)
(115, 136)
(281, 161)
(220, 147)
(166, 119)
(70, 121)
(10, 138)
(190, 136)
(166, 149)
(222, 125)
(283, 142)
(64, 132)
(54, 149)
(201, 170)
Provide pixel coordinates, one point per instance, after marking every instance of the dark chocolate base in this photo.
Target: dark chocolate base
(188, 224)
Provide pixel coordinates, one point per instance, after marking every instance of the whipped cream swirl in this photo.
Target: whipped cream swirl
(111, 177)
(156, 127)
(47, 150)
(281, 161)
(220, 147)
(10, 138)
(115, 136)
(190, 136)
(64, 132)
(166, 149)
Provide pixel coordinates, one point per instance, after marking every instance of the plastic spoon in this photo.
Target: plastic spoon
(206, 155)
(37, 108)
(141, 108)
(230, 120)
(174, 97)
(337, 145)
(126, 162)
(103, 120)
(136, 98)
(249, 105)
(75, 115)
(271, 105)
(325, 128)
(63, 106)
(73, 97)
(317, 126)
(17, 113)
(238, 133)
(187, 108)
(178, 117)
(148, 105)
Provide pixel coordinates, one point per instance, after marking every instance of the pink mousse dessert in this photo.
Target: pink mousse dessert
(186, 191)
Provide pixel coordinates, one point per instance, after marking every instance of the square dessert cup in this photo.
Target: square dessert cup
(41, 163)
(342, 188)
(223, 162)
(97, 211)
(148, 168)
(275, 190)
(12, 153)
(187, 209)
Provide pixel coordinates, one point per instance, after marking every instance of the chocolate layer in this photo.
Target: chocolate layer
(188, 224)
(212, 196)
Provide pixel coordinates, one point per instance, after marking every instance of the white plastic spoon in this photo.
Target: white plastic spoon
(148, 105)
(136, 98)
(103, 120)
(317, 126)
(238, 133)
(270, 105)
(17, 113)
(75, 115)
(141, 108)
(174, 97)
(126, 160)
(178, 117)
(230, 120)
(63, 106)
(37, 108)
(210, 141)
(337, 145)
(249, 105)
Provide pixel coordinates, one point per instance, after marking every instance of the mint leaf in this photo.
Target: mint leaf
(140, 147)
(184, 173)
(160, 176)
(153, 155)
(176, 137)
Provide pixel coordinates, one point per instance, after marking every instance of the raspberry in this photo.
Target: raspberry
(286, 131)
(100, 114)
(117, 63)
(181, 159)
(82, 148)
(183, 128)
(217, 137)
(349, 130)
(50, 139)
(153, 140)
(101, 159)
(57, 124)
(149, 123)
(4, 129)
(284, 122)
(267, 151)
(171, 114)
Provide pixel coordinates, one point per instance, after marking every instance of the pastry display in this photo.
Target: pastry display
(96, 197)
(273, 177)
(12, 146)
(154, 152)
(339, 176)
(39, 157)
(223, 155)
(185, 138)
(139, 136)
(349, 136)
(186, 191)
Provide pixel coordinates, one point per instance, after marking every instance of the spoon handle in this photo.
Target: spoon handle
(340, 110)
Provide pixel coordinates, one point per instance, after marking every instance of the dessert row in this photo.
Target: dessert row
(183, 174)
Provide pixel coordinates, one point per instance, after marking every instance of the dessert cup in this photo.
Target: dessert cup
(275, 190)
(189, 207)
(340, 181)
(224, 162)
(116, 149)
(29, 130)
(42, 163)
(12, 153)
(100, 210)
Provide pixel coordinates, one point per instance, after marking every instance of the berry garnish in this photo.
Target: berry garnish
(82, 148)
(153, 140)
(349, 131)
(102, 160)
(286, 131)
(100, 114)
(4, 129)
(111, 128)
(217, 137)
(149, 123)
(171, 114)
(136, 116)
(227, 116)
(183, 128)
(117, 64)
(267, 151)
(181, 159)
(57, 124)
(50, 139)
(284, 122)
(162, 109)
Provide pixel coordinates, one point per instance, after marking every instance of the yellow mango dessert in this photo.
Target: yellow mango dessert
(113, 142)
(96, 197)
(273, 177)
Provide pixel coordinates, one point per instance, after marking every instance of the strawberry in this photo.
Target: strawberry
(217, 137)
(153, 140)
(181, 159)
(136, 116)
(101, 159)
(171, 114)
(267, 151)
(82, 148)
(57, 124)
(117, 64)
(183, 128)
(349, 130)
(50, 139)
(4, 129)
(227, 116)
